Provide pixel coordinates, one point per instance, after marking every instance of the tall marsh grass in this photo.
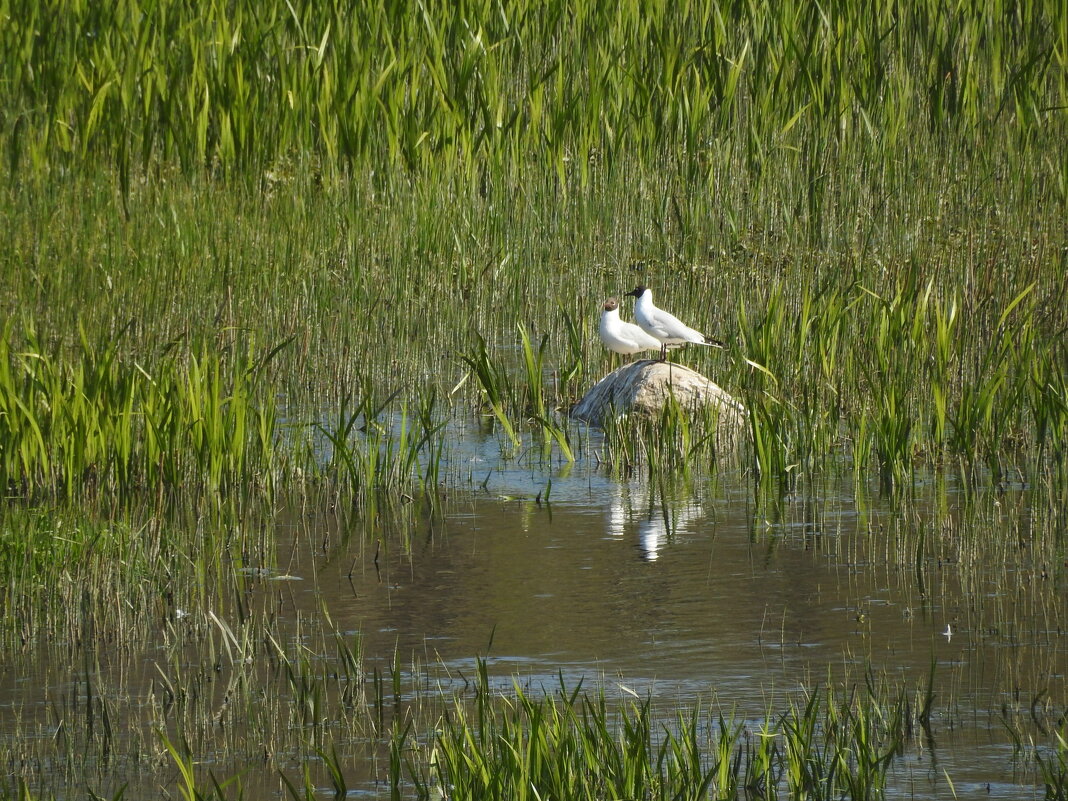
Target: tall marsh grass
(867, 198)
(262, 88)
(101, 426)
(97, 422)
(254, 252)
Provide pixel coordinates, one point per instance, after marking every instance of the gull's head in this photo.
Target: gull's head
(611, 304)
(638, 291)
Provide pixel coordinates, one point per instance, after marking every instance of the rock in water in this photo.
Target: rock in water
(643, 387)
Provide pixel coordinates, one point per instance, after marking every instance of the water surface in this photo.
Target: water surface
(686, 593)
(702, 595)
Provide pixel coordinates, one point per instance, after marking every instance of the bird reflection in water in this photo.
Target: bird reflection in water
(658, 520)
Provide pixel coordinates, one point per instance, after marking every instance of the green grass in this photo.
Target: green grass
(262, 88)
(866, 200)
(839, 740)
(911, 352)
(259, 254)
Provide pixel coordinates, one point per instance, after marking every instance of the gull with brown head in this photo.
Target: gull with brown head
(620, 336)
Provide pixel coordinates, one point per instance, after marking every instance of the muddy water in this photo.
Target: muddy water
(688, 596)
(684, 593)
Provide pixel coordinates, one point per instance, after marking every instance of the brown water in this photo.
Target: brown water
(625, 586)
(681, 593)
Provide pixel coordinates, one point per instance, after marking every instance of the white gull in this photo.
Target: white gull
(666, 328)
(620, 336)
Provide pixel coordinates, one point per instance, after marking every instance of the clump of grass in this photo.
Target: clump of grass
(98, 425)
(678, 441)
(506, 398)
(497, 387)
(1053, 767)
(95, 425)
(831, 742)
(535, 367)
(907, 393)
(375, 454)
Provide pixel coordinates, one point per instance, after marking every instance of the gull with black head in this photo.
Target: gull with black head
(666, 328)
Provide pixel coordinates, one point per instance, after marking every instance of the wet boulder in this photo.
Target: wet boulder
(644, 387)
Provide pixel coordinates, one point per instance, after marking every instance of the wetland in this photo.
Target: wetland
(296, 300)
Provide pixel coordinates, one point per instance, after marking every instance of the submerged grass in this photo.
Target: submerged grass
(830, 743)
(200, 650)
(825, 742)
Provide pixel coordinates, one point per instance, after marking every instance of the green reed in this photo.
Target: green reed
(1053, 768)
(101, 424)
(243, 88)
(832, 741)
(678, 441)
(908, 391)
(377, 453)
(497, 385)
(534, 364)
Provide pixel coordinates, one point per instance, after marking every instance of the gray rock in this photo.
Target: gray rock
(643, 387)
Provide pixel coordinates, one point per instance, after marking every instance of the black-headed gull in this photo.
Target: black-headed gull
(620, 336)
(666, 328)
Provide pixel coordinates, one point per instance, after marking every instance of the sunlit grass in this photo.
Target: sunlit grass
(880, 366)
(255, 254)
(245, 88)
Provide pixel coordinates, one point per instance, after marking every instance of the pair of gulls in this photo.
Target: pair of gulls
(656, 329)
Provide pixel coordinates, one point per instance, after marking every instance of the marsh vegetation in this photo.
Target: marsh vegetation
(328, 276)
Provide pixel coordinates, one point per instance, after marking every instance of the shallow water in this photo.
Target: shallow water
(690, 596)
(683, 593)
